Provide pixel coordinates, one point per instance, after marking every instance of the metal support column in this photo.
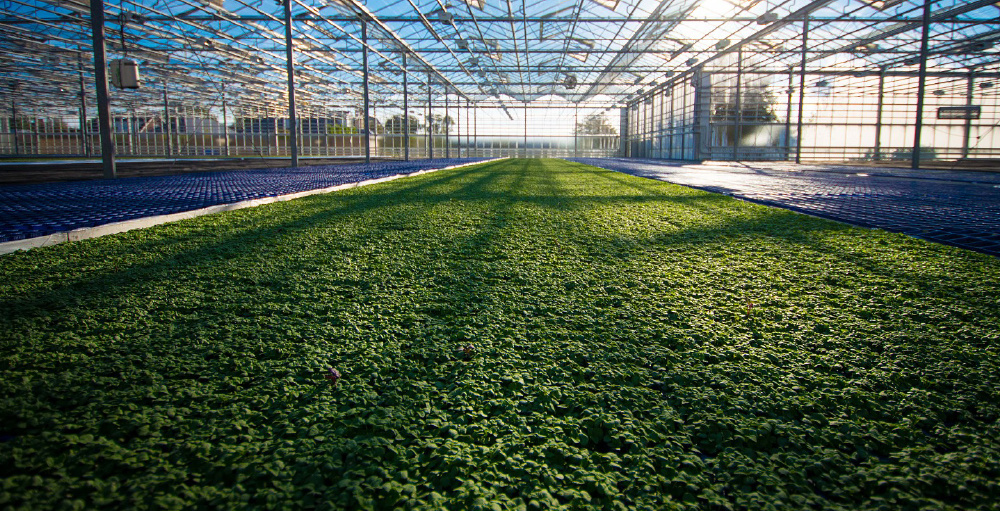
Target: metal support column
(447, 126)
(921, 83)
(623, 132)
(878, 115)
(225, 122)
(406, 114)
(166, 121)
(702, 115)
(737, 124)
(647, 127)
(788, 113)
(651, 116)
(670, 127)
(475, 132)
(13, 128)
(576, 130)
(84, 142)
(967, 132)
(101, 82)
(430, 120)
(130, 122)
(802, 90)
(661, 132)
(640, 129)
(364, 66)
(525, 130)
(290, 71)
(684, 106)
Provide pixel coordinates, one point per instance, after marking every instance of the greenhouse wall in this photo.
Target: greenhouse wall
(855, 117)
(145, 129)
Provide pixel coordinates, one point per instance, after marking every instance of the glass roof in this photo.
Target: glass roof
(489, 52)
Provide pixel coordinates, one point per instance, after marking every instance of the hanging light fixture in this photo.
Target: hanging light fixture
(444, 16)
(767, 18)
(124, 71)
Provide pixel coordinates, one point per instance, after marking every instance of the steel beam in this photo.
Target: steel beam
(949, 16)
(490, 19)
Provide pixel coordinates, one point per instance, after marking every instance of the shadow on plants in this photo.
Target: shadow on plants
(174, 256)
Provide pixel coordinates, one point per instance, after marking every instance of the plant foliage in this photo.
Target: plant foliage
(515, 335)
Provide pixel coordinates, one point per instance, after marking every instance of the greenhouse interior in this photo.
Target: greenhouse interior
(821, 81)
(484, 255)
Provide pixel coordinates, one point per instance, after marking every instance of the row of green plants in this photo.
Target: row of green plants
(522, 334)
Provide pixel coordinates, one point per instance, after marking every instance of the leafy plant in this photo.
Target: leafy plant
(616, 363)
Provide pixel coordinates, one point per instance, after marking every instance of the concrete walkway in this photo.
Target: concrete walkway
(960, 208)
